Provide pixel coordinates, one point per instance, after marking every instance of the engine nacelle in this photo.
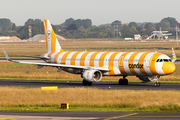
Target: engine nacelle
(92, 75)
(148, 78)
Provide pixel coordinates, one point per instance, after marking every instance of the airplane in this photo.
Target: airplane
(161, 34)
(147, 66)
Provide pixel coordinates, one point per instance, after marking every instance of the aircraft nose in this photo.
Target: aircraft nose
(168, 67)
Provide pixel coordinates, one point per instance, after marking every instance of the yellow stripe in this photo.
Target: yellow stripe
(111, 63)
(45, 31)
(122, 68)
(141, 61)
(83, 58)
(73, 58)
(91, 62)
(63, 61)
(153, 61)
(53, 41)
(7, 118)
(131, 62)
(101, 60)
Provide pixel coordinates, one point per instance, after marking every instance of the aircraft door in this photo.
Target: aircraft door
(121, 61)
(148, 62)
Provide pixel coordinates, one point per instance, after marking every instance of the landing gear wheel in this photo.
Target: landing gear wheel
(86, 83)
(123, 82)
(157, 84)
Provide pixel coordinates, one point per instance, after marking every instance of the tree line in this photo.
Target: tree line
(83, 28)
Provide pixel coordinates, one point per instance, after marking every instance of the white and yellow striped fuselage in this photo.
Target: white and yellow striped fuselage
(119, 63)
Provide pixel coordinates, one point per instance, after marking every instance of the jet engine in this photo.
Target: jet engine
(92, 75)
(148, 78)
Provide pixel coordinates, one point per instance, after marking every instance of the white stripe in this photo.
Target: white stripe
(116, 63)
(60, 57)
(146, 64)
(87, 58)
(136, 62)
(52, 57)
(96, 62)
(159, 65)
(68, 59)
(78, 57)
(126, 65)
(106, 61)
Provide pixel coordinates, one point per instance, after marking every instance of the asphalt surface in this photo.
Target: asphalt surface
(87, 116)
(99, 85)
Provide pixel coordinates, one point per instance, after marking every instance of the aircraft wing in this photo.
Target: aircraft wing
(167, 34)
(105, 69)
(34, 56)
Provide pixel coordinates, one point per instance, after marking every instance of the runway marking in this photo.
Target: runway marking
(8, 118)
(154, 116)
(121, 116)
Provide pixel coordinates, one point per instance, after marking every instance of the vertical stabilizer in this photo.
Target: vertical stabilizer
(174, 55)
(52, 44)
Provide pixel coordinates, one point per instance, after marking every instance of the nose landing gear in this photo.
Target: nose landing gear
(157, 84)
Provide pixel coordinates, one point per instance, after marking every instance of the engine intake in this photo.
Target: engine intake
(92, 75)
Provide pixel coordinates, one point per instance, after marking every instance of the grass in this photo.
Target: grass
(89, 100)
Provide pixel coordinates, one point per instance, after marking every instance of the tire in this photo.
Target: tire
(121, 82)
(86, 83)
(89, 83)
(157, 84)
(125, 82)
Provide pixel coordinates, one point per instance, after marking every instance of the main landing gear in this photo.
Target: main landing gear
(123, 81)
(86, 83)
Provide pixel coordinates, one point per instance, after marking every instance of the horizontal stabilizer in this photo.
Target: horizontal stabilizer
(7, 57)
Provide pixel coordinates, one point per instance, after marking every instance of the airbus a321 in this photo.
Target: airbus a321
(147, 66)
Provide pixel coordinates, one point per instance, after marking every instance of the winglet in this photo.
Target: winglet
(174, 55)
(7, 57)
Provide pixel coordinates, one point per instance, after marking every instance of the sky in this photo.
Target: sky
(99, 11)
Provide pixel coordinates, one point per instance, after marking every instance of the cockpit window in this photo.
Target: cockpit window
(166, 60)
(163, 60)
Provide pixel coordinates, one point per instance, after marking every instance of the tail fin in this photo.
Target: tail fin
(52, 44)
